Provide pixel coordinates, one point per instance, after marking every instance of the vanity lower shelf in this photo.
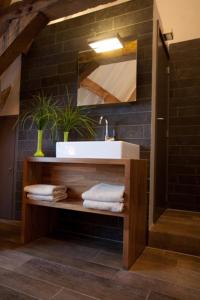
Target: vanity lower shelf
(73, 204)
(40, 218)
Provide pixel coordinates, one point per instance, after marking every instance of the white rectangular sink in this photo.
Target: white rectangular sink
(108, 149)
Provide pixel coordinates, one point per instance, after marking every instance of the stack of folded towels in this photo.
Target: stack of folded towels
(105, 197)
(46, 192)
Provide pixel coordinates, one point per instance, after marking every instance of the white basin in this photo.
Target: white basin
(108, 149)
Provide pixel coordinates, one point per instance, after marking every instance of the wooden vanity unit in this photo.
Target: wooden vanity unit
(39, 217)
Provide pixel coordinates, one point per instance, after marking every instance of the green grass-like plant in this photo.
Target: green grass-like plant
(74, 118)
(42, 111)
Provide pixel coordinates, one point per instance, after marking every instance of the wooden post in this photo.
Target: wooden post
(135, 221)
(22, 41)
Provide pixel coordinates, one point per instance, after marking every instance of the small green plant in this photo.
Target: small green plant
(74, 118)
(42, 112)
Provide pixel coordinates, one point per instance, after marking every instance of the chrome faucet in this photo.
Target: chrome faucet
(107, 137)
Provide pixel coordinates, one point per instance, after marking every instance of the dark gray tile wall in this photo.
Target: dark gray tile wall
(184, 126)
(52, 63)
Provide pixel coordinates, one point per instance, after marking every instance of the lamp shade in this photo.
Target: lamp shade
(107, 44)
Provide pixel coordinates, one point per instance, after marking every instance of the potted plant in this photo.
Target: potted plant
(41, 112)
(74, 118)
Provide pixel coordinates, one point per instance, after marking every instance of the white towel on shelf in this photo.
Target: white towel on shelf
(54, 198)
(105, 192)
(110, 206)
(45, 189)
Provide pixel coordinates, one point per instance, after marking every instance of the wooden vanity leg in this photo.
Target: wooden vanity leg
(135, 220)
(37, 221)
(128, 245)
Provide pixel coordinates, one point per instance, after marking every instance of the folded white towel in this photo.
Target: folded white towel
(54, 198)
(110, 206)
(105, 192)
(45, 189)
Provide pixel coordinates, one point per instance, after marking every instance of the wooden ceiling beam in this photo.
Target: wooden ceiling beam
(12, 7)
(54, 9)
(21, 9)
(22, 41)
(46, 10)
(98, 90)
(5, 3)
(87, 70)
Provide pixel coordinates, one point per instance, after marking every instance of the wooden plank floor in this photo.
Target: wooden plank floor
(84, 269)
(178, 231)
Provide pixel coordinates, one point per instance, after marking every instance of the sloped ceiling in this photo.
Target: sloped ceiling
(182, 16)
(90, 10)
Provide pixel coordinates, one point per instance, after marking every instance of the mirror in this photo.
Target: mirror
(109, 77)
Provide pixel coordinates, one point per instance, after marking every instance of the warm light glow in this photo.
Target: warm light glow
(106, 45)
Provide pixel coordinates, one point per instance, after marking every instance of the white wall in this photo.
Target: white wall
(183, 16)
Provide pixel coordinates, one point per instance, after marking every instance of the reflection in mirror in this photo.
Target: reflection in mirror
(108, 77)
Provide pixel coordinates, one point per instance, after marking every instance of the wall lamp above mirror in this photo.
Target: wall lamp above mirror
(101, 45)
(107, 76)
